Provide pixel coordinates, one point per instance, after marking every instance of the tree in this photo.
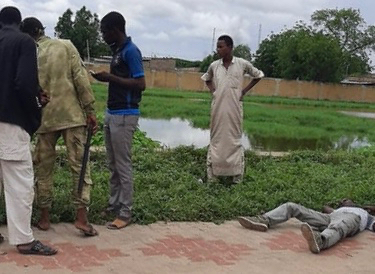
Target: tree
(267, 54)
(64, 27)
(241, 50)
(181, 63)
(84, 32)
(207, 61)
(310, 56)
(301, 53)
(336, 45)
(352, 32)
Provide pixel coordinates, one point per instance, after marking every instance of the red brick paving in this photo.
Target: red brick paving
(295, 242)
(197, 249)
(72, 257)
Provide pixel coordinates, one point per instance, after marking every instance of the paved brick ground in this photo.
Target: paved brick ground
(197, 249)
(189, 248)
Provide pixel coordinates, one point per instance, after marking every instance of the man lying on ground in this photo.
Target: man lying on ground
(321, 230)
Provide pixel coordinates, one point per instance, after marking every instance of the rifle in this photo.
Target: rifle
(84, 160)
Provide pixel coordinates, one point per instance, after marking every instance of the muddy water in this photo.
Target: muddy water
(175, 132)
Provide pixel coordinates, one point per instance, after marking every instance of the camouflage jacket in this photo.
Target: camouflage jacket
(65, 80)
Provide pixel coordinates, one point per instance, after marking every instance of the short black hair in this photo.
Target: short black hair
(227, 39)
(114, 20)
(10, 15)
(31, 26)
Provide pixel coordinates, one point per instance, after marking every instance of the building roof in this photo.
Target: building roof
(368, 79)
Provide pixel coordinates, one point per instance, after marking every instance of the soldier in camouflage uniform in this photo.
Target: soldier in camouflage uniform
(71, 107)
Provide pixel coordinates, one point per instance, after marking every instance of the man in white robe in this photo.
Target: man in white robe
(224, 78)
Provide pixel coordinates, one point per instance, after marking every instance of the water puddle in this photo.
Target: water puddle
(370, 115)
(176, 132)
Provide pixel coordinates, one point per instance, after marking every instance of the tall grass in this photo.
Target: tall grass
(265, 117)
(167, 181)
(167, 185)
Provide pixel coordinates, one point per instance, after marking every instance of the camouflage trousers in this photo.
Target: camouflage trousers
(44, 160)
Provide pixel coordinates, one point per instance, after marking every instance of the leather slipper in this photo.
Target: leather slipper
(117, 224)
(37, 248)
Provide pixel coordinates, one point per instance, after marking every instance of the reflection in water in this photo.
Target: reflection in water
(285, 144)
(370, 115)
(175, 132)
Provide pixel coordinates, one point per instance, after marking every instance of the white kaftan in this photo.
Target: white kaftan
(225, 150)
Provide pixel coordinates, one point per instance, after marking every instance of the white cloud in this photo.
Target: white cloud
(184, 28)
(161, 36)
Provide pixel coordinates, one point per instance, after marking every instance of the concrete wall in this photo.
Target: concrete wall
(159, 64)
(185, 80)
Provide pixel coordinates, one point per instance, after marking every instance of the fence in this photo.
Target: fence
(185, 80)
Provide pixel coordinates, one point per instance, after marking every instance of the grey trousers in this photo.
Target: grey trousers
(119, 131)
(334, 227)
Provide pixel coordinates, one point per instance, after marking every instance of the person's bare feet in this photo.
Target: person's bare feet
(87, 229)
(82, 223)
(44, 223)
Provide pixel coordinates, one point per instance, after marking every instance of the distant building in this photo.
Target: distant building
(368, 80)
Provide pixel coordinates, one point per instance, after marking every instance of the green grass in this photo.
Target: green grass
(264, 117)
(167, 186)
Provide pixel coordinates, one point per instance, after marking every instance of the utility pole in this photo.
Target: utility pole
(88, 50)
(213, 40)
(259, 34)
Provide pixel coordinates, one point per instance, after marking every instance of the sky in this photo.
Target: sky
(187, 28)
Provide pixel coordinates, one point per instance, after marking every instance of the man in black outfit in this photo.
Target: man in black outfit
(20, 116)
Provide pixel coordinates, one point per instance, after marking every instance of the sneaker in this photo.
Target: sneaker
(258, 223)
(313, 238)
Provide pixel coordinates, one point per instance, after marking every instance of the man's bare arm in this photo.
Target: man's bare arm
(249, 86)
(210, 86)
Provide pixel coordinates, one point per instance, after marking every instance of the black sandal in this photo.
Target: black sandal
(37, 248)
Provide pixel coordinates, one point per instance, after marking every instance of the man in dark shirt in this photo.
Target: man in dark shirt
(126, 83)
(20, 116)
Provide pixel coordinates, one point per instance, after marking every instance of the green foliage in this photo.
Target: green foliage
(167, 186)
(181, 63)
(267, 54)
(168, 182)
(207, 61)
(336, 45)
(265, 117)
(354, 36)
(347, 26)
(85, 29)
(242, 51)
(309, 56)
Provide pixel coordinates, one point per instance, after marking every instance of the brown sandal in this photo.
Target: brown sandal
(118, 224)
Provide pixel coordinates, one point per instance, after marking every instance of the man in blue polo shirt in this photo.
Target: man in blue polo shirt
(126, 83)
